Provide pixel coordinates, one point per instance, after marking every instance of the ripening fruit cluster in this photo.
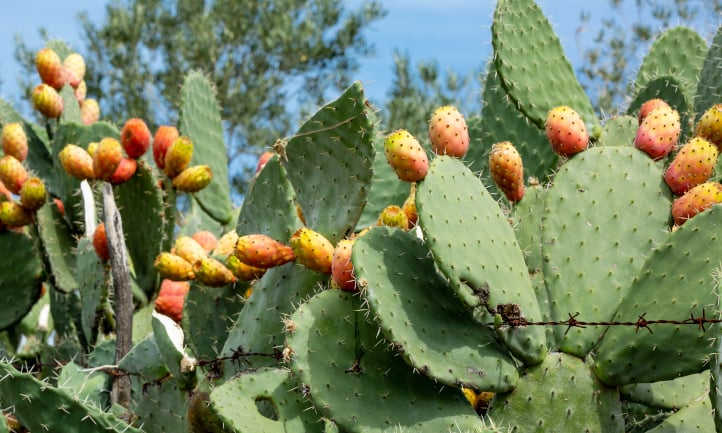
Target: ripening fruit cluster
(15, 180)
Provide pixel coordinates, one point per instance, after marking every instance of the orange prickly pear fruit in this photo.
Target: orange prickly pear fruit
(171, 298)
(696, 200)
(15, 141)
(173, 267)
(74, 66)
(89, 111)
(650, 105)
(178, 156)
(77, 162)
(163, 138)
(406, 156)
(566, 131)
(189, 249)
(212, 273)
(409, 206)
(226, 244)
(448, 132)
(193, 179)
(107, 158)
(709, 126)
(47, 101)
(393, 216)
(692, 165)
(13, 214)
(81, 92)
(100, 242)
(243, 271)
(50, 68)
(261, 251)
(341, 266)
(135, 137)
(507, 170)
(312, 250)
(126, 169)
(206, 239)
(12, 173)
(33, 194)
(658, 133)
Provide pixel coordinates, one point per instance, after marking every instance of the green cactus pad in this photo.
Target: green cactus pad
(90, 387)
(200, 120)
(58, 245)
(558, 395)
(715, 366)
(619, 131)
(418, 311)
(675, 283)
(71, 108)
(38, 406)
(162, 407)
(93, 288)
(607, 209)
(670, 90)
(66, 309)
(532, 66)
(709, 88)
(169, 339)
(235, 403)
(670, 394)
(346, 372)
(145, 360)
(692, 418)
(474, 245)
(20, 277)
(329, 163)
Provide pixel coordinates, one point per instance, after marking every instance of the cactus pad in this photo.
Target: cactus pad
(20, 277)
(619, 131)
(709, 89)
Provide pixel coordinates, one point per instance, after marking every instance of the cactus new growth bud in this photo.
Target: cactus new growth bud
(15, 141)
(658, 133)
(692, 166)
(212, 273)
(47, 101)
(12, 173)
(650, 105)
(171, 298)
(709, 126)
(12, 214)
(173, 267)
(566, 131)
(33, 194)
(507, 170)
(89, 111)
(77, 162)
(448, 132)
(262, 160)
(100, 242)
(406, 156)
(393, 216)
(261, 251)
(50, 68)
(135, 137)
(193, 179)
(106, 158)
(162, 140)
(696, 200)
(178, 156)
(126, 169)
(74, 66)
(341, 266)
(313, 250)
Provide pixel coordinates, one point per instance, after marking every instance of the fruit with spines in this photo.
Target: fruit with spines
(566, 131)
(243, 271)
(12, 173)
(409, 206)
(193, 179)
(173, 267)
(648, 106)
(658, 133)
(12, 214)
(81, 92)
(393, 216)
(178, 156)
(448, 132)
(709, 126)
(171, 298)
(206, 239)
(50, 68)
(189, 249)
(126, 169)
(696, 200)
(406, 156)
(74, 66)
(77, 162)
(89, 111)
(342, 267)
(47, 101)
(212, 273)
(262, 251)
(313, 250)
(106, 158)
(164, 136)
(135, 137)
(15, 141)
(693, 165)
(226, 244)
(100, 242)
(507, 170)
(33, 194)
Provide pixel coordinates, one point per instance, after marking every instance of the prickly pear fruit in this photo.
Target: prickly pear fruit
(171, 298)
(448, 132)
(77, 162)
(406, 156)
(12, 173)
(13, 214)
(126, 169)
(173, 267)
(696, 200)
(312, 250)
(47, 101)
(261, 251)
(212, 273)
(393, 216)
(5, 193)
(33, 194)
(709, 126)
(206, 239)
(81, 92)
(50, 68)
(189, 249)
(135, 137)
(178, 156)
(342, 267)
(658, 133)
(107, 158)
(507, 170)
(692, 166)
(193, 179)
(89, 111)
(650, 105)
(566, 131)
(14, 141)
(163, 138)
(226, 244)
(74, 66)
(100, 242)
(243, 271)
(409, 207)
(263, 159)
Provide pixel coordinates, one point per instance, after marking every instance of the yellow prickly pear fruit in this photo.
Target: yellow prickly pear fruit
(212, 273)
(173, 267)
(393, 216)
(193, 179)
(312, 250)
(33, 194)
(178, 156)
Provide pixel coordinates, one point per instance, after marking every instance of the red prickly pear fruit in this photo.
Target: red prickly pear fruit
(658, 133)
(89, 111)
(507, 170)
(126, 169)
(261, 251)
(163, 138)
(47, 101)
(696, 200)
(178, 156)
(135, 137)
(189, 249)
(81, 92)
(312, 250)
(263, 159)
(342, 267)
(448, 132)
(12, 214)
(171, 298)
(33, 194)
(107, 157)
(409, 206)
(692, 165)
(173, 267)
(60, 205)
(12, 173)
(566, 131)
(74, 66)
(206, 239)
(100, 242)
(193, 179)
(709, 126)
(406, 156)
(226, 244)
(50, 68)
(650, 105)
(14, 141)
(243, 271)
(77, 162)
(393, 216)
(212, 273)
